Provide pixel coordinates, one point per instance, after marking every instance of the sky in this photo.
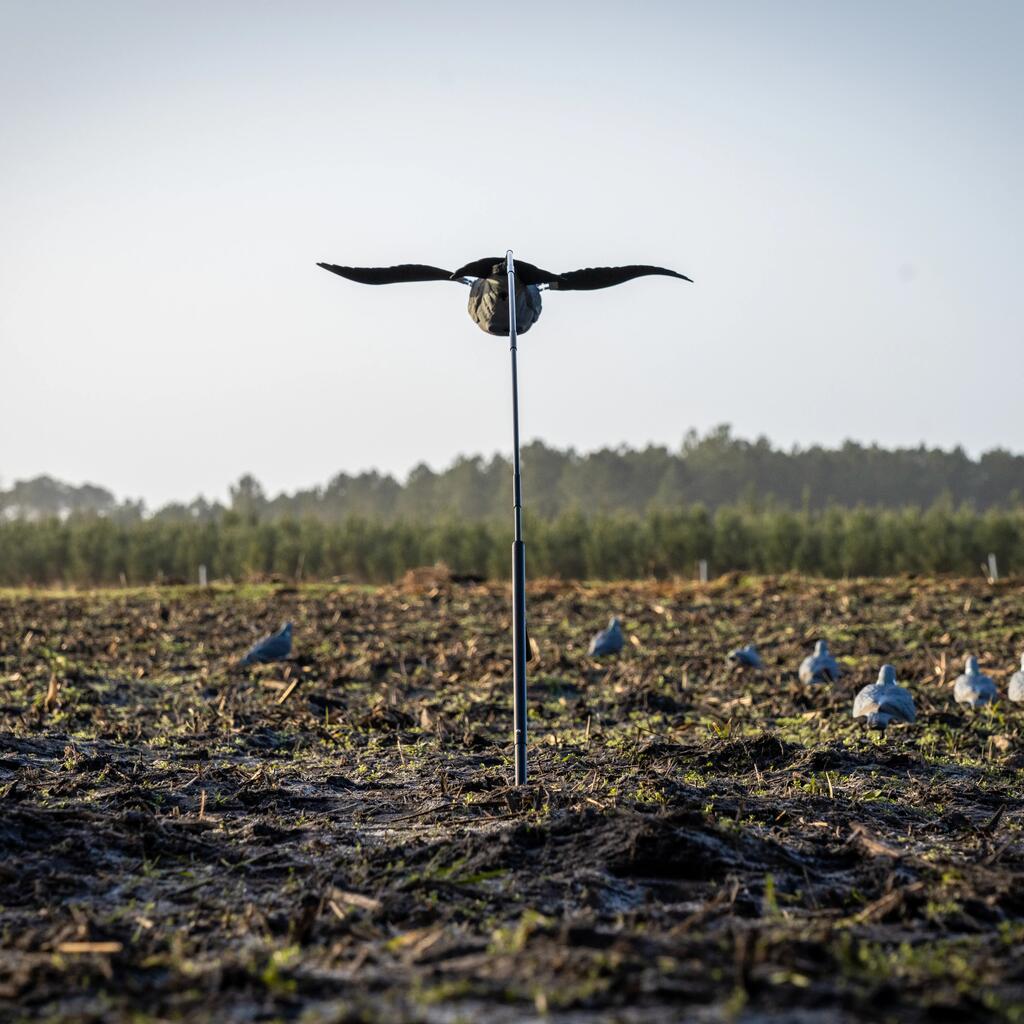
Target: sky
(844, 183)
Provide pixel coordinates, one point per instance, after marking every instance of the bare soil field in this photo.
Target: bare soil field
(335, 838)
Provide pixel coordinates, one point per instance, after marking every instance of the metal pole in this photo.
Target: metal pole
(518, 551)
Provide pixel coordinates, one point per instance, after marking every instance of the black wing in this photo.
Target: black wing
(390, 275)
(605, 277)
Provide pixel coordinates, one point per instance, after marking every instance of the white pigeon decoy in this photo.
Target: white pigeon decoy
(607, 641)
(973, 687)
(819, 667)
(885, 701)
(746, 657)
(1016, 690)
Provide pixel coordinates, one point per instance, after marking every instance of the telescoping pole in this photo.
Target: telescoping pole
(518, 551)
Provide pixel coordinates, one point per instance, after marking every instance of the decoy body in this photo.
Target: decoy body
(885, 701)
(607, 641)
(488, 285)
(746, 657)
(973, 687)
(275, 647)
(1016, 690)
(819, 667)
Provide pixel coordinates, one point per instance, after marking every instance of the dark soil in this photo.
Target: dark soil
(335, 838)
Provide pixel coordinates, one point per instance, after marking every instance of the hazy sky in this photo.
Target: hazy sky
(842, 180)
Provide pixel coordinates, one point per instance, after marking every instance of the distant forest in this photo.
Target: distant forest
(712, 471)
(612, 514)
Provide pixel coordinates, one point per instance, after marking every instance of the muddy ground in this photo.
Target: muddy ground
(336, 839)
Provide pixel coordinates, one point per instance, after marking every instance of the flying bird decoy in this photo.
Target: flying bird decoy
(885, 701)
(607, 641)
(973, 687)
(275, 647)
(1016, 690)
(746, 657)
(488, 281)
(819, 667)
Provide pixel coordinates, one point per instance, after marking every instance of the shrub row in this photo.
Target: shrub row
(92, 550)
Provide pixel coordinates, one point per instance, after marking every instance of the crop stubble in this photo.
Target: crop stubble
(335, 839)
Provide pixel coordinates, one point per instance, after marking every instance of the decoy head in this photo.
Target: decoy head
(821, 648)
(286, 628)
(971, 665)
(887, 675)
(614, 623)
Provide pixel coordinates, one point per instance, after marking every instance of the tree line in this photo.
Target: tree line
(715, 470)
(89, 550)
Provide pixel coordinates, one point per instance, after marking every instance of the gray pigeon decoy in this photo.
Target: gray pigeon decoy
(973, 687)
(819, 667)
(885, 701)
(275, 647)
(1016, 690)
(488, 281)
(746, 657)
(607, 641)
